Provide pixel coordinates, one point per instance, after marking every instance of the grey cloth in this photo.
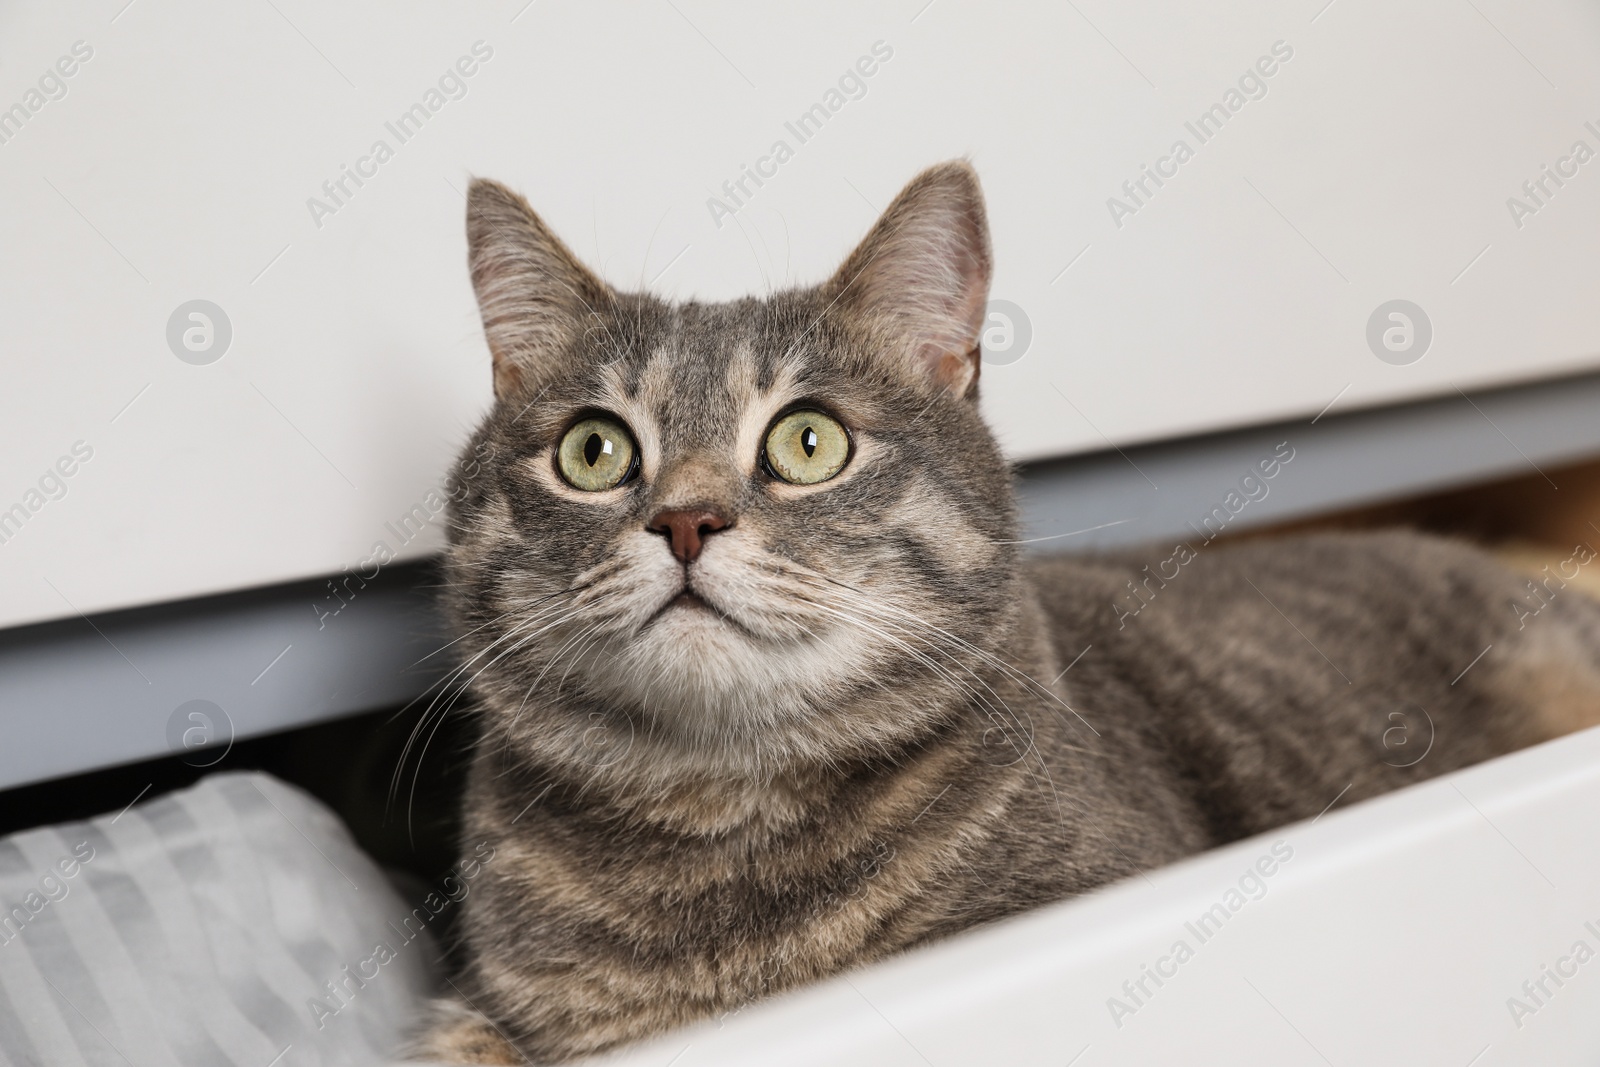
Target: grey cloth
(234, 922)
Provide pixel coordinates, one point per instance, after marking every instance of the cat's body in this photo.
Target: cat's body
(741, 730)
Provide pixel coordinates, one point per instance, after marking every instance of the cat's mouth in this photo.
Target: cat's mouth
(688, 604)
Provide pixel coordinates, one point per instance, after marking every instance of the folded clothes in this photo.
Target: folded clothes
(234, 922)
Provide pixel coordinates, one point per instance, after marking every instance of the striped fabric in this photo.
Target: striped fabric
(234, 922)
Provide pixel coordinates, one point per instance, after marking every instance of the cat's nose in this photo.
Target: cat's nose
(687, 529)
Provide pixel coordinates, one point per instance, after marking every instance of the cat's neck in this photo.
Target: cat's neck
(735, 813)
(665, 782)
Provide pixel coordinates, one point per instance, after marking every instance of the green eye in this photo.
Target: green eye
(596, 454)
(807, 447)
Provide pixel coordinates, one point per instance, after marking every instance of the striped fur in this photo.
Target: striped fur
(871, 742)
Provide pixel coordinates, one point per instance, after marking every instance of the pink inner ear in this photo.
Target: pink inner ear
(952, 351)
(957, 373)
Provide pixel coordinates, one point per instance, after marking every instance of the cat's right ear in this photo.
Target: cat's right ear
(923, 274)
(533, 293)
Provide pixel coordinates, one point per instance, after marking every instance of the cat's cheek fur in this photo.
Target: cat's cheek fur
(923, 512)
(633, 581)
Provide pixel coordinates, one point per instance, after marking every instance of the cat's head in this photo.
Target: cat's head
(763, 531)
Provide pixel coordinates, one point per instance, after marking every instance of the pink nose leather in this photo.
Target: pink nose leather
(687, 530)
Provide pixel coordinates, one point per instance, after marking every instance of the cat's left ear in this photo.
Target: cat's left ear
(923, 275)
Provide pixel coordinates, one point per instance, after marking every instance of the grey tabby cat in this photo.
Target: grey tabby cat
(767, 692)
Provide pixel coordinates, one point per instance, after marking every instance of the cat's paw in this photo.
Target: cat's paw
(458, 1033)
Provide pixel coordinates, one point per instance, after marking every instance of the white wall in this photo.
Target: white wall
(179, 163)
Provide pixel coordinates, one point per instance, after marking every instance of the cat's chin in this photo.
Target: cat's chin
(697, 665)
(693, 641)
